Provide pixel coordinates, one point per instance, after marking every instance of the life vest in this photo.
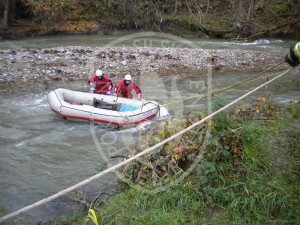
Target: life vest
(293, 56)
(102, 86)
(123, 90)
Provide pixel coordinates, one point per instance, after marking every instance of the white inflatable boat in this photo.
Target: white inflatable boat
(75, 105)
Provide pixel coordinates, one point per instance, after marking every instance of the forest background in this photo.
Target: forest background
(231, 19)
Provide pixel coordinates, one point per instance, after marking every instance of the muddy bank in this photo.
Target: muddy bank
(22, 29)
(19, 68)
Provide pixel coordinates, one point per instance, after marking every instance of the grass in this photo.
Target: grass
(265, 191)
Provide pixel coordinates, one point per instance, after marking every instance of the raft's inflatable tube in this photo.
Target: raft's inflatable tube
(75, 105)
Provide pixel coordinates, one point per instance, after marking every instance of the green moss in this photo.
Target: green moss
(260, 5)
(282, 7)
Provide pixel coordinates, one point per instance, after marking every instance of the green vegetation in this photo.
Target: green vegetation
(221, 19)
(249, 174)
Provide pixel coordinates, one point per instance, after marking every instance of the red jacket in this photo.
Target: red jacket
(123, 90)
(102, 86)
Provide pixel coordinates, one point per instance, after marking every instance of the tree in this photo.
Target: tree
(6, 13)
(250, 8)
(46, 10)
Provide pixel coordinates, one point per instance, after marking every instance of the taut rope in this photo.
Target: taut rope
(229, 87)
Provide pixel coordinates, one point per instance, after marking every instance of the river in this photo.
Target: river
(41, 154)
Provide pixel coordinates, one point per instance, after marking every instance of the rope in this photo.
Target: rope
(251, 79)
(149, 150)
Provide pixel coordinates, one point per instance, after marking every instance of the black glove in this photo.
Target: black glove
(291, 63)
(291, 58)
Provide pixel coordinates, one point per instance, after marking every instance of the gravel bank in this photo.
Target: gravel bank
(38, 66)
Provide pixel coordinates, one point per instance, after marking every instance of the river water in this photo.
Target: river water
(41, 154)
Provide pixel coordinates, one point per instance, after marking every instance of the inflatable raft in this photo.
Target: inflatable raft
(75, 105)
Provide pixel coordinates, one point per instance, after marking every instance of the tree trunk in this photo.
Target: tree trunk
(241, 11)
(175, 8)
(207, 7)
(251, 5)
(6, 14)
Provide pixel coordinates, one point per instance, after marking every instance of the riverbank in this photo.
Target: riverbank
(38, 67)
(22, 29)
(215, 19)
(248, 174)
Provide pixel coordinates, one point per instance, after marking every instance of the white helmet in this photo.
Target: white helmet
(99, 73)
(128, 77)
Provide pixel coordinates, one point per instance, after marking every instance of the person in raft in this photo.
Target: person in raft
(293, 56)
(100, 83)
(124, 88)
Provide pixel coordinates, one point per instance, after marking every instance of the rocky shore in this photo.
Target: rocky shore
(41, 66)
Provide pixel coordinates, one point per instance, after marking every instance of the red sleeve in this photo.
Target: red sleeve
(136, 88)
(92, 81)
(108, 80)
(116, 88)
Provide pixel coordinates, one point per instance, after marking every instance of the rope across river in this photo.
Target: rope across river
(145, 152)
(251, 79)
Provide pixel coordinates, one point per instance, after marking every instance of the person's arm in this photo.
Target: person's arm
(92, 81)
(110, 87)
(116, 88)
(92, 84)
(137, 91)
